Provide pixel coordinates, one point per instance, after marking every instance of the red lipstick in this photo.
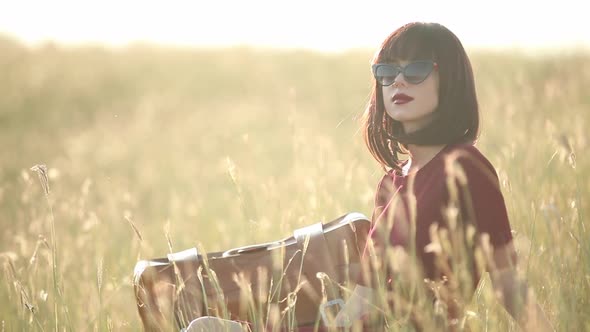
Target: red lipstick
(400, 98)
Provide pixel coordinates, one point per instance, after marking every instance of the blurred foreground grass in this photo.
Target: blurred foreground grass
(236, 146)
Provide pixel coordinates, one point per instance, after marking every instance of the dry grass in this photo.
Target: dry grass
(150, 150)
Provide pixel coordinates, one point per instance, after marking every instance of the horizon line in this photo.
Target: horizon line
(54, 42)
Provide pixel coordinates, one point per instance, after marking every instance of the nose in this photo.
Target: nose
(399, 81)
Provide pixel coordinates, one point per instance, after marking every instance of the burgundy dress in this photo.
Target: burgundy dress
(460, 177)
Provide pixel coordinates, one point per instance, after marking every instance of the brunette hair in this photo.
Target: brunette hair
(456, 116)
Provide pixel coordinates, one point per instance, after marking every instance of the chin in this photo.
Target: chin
(401, 116)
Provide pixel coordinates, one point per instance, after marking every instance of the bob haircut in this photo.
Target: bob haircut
(456, 118)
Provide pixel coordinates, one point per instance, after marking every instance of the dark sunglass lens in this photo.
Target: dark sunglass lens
(417, 72)
(386, 74)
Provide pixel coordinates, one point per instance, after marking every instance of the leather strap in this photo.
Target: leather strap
(183, 256)
(312, 231)
(318, 252)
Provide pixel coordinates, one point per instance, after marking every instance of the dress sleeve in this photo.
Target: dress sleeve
(480, 195)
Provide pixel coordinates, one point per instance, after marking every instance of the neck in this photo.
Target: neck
(420, 155)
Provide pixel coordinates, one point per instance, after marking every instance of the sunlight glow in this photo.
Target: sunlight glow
(320, 25)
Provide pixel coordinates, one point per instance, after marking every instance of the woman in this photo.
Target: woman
(424, 106)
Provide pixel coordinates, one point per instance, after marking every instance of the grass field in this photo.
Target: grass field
(229, 147)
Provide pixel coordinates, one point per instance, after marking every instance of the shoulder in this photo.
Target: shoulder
(466, 152)
(386, 180)
(468, 160)
(384, 187)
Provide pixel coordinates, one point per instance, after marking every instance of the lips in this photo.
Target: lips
(400, 98)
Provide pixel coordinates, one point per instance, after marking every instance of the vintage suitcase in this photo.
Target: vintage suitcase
(279, 284)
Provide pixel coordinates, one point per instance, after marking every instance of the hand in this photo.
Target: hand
(354, 309)
(342, 319)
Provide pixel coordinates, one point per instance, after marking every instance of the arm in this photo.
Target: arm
(514, 293)
(482, 201)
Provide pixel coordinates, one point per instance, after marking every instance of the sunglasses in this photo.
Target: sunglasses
(414, 72)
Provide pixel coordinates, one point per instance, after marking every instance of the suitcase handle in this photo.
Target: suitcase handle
(251, 249)
(298, 236)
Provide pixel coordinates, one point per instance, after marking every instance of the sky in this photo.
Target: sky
(312, 24)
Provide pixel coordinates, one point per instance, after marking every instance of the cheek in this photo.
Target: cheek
(386, 95)
(385, 91)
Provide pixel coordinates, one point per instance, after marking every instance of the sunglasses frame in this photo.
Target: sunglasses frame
(402, 70)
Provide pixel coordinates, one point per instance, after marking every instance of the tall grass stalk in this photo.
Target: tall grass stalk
(43, 176)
